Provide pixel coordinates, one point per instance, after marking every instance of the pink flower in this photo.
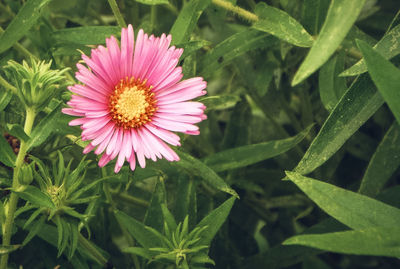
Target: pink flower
(131, 98)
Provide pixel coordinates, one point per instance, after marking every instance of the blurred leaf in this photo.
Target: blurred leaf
(352, 209)
(17, 131)
(355, 107)
(251, 154)
(45, 127)
(86, 35)
(152, 2)
(388, 47)
(187, 20)
(7, 156)
(5, 98)
(377, 241)
(138, 230)
(192, 46)
(22, 22)
(220, 102)
(385, 76)
(331, 86)
(280, 24)
(233, 47)
(185, 200)
(35, 196)
(383, 163)
(34, 229)
(214, 221)
(340, 18)
(198, 168)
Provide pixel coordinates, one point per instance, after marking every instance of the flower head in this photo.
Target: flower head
(132, 97)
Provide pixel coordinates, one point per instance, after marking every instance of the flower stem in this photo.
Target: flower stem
(12, 203)
(117, 13)
(242, 13)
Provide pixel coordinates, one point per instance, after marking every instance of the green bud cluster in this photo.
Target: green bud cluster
(36, 84)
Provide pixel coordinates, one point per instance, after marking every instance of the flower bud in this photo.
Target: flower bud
(25, 175)
(36, 84)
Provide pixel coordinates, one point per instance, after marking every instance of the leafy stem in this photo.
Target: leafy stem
(240, 12)
(12, 204)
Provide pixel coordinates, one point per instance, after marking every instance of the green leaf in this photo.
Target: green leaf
(142, 252)
(214, 221)
(251, 154)
(5, 98)
(280, 24)
(385, 76)
(192, 46)
(168, 217)
(313, 13)
(35, 196)
(45, 127)
(388, 47)
(22, 22)
(355, 107)
(17, 131)
(154, 213)
(153, 2)
(220, 102)
(352, 209)
(377, 241)
(233, 47)
(186, 201)
(34, 229)
(187, 20)
(138, 230)
(340, 18)
(87, 35)
(7, 156)
(331, 86)
(383, 163)
(198, 168)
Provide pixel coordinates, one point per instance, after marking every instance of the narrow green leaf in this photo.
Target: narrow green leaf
(187, 20)
(220, 102)
(152, 2)
(186, 201)
(340, 18)
(142, 252)
(355, 107)
(280, 24)
(87, 35)
(233, 47)
(138, 230)
(251, 154)
(214, 221)
(385, 76)
(202, 258)
(20, 25)
(313, 13)
(376, 241)
(5, 98)
(154, 213)
(17, 131)
(36, 197)
(352, 209)
(192, 46)
(168, 217)
(34, 229)
(45, 127)
(383, 163)
(388, 47)
(7, 156)
(331, 86)
(198, 168)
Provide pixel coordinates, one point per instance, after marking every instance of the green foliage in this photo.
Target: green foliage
(309, 87)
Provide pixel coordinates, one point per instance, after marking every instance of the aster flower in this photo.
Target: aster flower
(132, 97)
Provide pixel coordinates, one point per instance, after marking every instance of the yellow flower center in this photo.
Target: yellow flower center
(132, 103)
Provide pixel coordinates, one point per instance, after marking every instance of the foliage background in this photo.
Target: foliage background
(275, 103)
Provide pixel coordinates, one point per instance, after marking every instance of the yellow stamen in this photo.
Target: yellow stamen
(132, 103)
